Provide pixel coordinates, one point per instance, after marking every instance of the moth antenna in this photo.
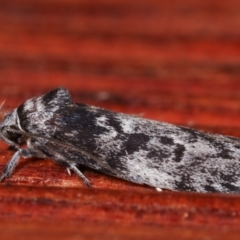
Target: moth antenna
(2, 103)
(1, 106)
(69, 171)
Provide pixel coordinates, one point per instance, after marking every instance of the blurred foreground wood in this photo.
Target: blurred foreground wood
(177, 62)
(78, 212)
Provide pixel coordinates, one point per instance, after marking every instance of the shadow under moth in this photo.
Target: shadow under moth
(158, 154)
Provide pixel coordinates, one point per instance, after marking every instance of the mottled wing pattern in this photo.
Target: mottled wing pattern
(139, 150)
(135, 149)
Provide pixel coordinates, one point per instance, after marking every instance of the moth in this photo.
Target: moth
(142, 151)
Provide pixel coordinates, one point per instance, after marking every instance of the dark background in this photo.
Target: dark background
(174, 61)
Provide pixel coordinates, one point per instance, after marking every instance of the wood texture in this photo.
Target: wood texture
(175, 61)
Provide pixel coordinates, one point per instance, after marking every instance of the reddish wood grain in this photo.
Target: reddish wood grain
(177, 62)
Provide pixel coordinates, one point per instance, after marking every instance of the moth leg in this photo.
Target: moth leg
(80, 174)
(29, 153)
(9, 168)
(12, 163)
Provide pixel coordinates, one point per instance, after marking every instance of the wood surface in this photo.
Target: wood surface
(174, 61)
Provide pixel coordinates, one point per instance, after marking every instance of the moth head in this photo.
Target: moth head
(10, 131)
